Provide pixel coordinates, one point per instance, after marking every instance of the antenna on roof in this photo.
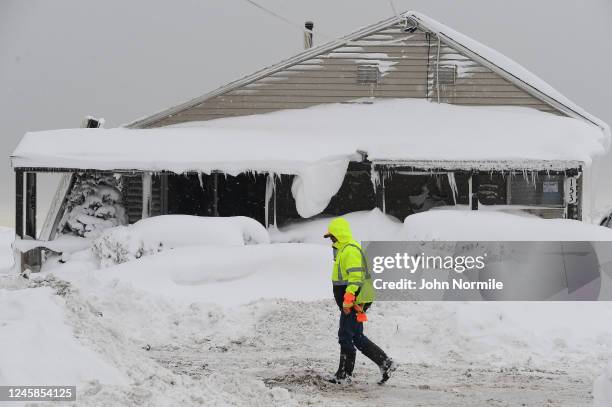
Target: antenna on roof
(308, 27)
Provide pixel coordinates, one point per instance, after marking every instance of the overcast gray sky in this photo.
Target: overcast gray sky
(64, 59)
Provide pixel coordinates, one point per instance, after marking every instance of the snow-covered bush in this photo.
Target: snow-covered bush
(602, 388)
(94, 204)
(152, 235)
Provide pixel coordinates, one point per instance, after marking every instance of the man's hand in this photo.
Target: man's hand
(348, 302)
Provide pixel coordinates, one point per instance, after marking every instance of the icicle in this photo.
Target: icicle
(453, 185)
(200, 179)
(374, 177)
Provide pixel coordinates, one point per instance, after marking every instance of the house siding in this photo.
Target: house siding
(407, 63)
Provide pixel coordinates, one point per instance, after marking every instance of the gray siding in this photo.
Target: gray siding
(407, 63)
(475, 84)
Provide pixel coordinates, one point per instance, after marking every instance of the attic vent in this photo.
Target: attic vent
(446, 75)
(368, 74)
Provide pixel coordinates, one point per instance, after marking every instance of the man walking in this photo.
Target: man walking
(354, 294)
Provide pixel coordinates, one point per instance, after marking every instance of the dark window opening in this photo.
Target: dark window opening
(241, 195)
(186, 196)
(356, 194)
(409, 193)
(539, 190)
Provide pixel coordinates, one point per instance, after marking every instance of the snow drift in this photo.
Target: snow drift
(602, 388)
(7, 236)
(457, 225)
(38, 347)
(152, 235)
(448, 224)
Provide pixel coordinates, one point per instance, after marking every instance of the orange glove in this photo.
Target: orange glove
(361, 316)
(348, 302)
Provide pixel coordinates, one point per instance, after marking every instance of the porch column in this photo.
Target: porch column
(19, 203)
(163, 187)
(30, 213)
(474, 187)
(270, 198)
(215, 203)
(147, 194)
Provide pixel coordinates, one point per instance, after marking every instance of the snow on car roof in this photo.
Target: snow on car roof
(288, 141)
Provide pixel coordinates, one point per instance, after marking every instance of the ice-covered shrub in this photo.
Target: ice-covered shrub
(121, 244)
(94, 204)
(152, 235)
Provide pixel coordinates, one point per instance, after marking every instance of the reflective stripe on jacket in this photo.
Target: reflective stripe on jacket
(350, 264)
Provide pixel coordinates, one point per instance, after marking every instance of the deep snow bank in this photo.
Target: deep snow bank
(447, 224)
(365, 225)
(37, 347)
(152, 235)
(228, 275)
(497, 226)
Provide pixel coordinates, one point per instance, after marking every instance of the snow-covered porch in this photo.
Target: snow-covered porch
(343, 156)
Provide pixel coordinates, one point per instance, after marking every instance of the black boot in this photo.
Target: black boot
(386, 365)
(350, 364)
(341, 377)
(386, 369)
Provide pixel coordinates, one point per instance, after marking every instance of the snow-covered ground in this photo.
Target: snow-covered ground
(6, 239)
(254, 324)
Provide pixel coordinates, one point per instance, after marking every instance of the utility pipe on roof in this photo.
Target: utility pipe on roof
(309, 26)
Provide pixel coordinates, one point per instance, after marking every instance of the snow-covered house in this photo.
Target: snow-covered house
(405, 115)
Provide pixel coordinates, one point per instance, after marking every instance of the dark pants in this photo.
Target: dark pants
(350, 333)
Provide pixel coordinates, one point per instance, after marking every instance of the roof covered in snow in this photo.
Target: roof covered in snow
(483, 54)
(291, 141)
(505, 67)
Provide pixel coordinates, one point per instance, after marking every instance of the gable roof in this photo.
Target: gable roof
(497, 62)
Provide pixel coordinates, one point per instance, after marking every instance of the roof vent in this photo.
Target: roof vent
(368, 75)
(445, 75)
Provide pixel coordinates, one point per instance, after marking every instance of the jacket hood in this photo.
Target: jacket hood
(340, 228)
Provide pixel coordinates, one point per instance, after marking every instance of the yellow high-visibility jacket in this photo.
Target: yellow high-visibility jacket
(350, 263)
